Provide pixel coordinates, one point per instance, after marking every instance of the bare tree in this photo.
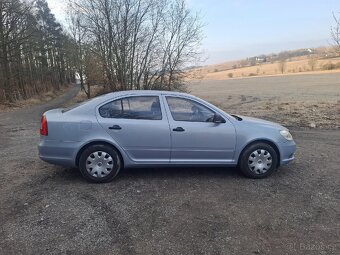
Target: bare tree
(312, 62)
(282, 64)
(335, 33)
(95, 73)
(142, 44)
(78, 33)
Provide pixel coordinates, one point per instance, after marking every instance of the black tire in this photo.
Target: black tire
(117, 163)
(244, 159)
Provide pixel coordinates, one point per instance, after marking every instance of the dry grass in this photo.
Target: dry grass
(299, 101)
(81, 96)
(38, 99)
(297, 66)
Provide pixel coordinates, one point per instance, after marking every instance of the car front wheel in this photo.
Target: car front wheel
(100, 163)
(259, 160)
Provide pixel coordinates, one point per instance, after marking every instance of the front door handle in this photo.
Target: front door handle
(179, 129)
(116, 127)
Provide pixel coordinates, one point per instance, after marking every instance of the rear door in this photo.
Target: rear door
(139, 125)
(195, 137)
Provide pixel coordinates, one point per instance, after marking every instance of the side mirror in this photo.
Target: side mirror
(218, 118)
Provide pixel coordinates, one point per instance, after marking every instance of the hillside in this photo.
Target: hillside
(287, 62)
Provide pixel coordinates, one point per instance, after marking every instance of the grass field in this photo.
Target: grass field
(311, 100)
(297, 66)
(35, 100)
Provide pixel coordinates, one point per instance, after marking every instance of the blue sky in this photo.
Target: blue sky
(236, 29)
(240, 28)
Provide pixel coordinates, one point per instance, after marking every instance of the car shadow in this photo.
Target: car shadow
(179, 172)
(74, 175)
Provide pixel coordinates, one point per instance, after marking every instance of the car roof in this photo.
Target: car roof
(113, 95)
(138, 92)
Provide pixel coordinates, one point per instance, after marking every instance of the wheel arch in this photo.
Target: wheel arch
(269, 142)
(97, 142)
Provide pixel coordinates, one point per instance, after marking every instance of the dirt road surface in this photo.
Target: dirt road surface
(46, 209)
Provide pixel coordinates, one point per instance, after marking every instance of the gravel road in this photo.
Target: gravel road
(46, 209)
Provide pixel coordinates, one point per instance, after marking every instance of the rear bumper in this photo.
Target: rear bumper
(287, 152)
(58, 153)
(58, 161)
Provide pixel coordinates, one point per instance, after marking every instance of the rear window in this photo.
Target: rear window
(137, 107)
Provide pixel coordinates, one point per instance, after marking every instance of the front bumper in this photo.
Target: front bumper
(287, 151)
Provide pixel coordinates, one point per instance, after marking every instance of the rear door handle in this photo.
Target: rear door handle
(179, 129)
(116, 127)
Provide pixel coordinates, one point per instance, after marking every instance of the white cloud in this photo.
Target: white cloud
(58, 8)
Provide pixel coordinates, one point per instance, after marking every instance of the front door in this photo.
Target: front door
(138, 124)
(194, 137)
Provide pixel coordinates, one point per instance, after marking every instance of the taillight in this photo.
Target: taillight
(44, 129)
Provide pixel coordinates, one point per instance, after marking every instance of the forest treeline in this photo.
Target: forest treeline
(35, 52)
(117, 44)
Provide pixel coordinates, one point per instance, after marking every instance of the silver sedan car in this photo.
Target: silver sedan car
(159, 128)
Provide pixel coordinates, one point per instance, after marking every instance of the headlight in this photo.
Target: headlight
(286, 134)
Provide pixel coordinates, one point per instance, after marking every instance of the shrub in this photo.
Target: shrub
(230, 75)
(329, 66)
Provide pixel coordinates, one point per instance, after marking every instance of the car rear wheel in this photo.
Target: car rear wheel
(100, 163)
(259, 160)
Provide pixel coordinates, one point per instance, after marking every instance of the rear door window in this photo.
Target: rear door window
(137, 107)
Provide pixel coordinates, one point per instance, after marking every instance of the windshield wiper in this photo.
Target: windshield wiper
(236, 117)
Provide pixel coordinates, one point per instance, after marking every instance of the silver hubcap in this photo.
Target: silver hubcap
(99, 164)
(260, 161)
